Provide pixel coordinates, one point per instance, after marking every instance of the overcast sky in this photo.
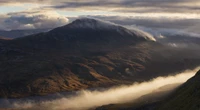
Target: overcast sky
(34, 14)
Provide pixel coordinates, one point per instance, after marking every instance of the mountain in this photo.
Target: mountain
(85, 33)
(87, 53)
(20, 33)
(186, 97)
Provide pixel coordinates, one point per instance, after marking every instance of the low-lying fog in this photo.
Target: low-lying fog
(87, 99)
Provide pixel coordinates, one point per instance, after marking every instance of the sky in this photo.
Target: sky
(41, 14)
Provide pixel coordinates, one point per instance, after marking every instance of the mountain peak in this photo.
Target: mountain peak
(86, 20)
(89, 26)
(92, 23)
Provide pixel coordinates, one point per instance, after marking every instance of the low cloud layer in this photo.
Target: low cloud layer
(31, 20)
(89, 99)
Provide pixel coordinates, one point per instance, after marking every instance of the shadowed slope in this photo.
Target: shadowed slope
(187, 97)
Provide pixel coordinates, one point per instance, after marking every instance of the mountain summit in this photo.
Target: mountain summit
(100, 25)
(97, 24)
(92, 23)
(85, 33)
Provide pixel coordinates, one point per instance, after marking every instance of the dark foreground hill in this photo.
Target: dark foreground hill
(184, 97)
(187, 97)
(84, 54)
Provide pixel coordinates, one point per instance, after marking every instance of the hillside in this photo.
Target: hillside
(86, 53)
(170, 97)
(186, 97)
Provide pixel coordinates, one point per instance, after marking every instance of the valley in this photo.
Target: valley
(86, 54)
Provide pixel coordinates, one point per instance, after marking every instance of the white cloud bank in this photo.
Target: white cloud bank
(31, 20)
(88, 99)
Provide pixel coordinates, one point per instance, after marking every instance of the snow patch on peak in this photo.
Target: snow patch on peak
(144, 34)
(95, 24)
(92, 23)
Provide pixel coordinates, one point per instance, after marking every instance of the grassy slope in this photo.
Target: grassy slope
(26, 72)
(37, 73)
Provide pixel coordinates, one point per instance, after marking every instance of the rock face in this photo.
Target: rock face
(186, 97)
(83, 54)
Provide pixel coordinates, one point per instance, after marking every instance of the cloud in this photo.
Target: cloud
(154, 13)
(87, 99)
(151, 21)
(173, 24)
(31, 20)
(178, 14)
(140, 6)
